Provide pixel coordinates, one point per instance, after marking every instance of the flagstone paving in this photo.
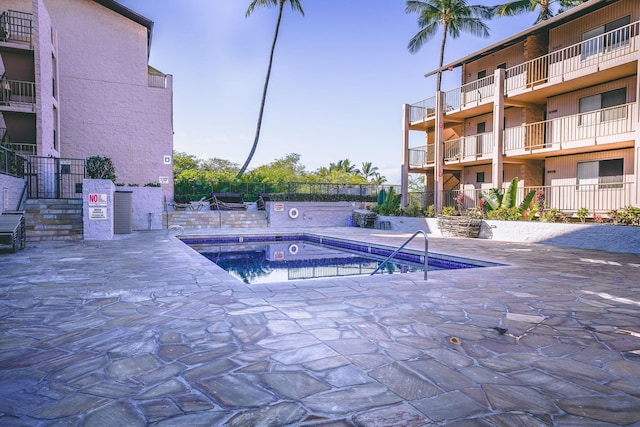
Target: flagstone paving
(142, 330)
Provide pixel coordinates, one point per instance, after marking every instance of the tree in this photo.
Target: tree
(368, 170)
(545, 7)
(295, 5)
(454, 16)
(344, 166)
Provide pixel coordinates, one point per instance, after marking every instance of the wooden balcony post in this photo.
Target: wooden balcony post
(497, 163)
(404, 184)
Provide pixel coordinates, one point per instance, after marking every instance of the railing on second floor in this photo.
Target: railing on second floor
(559, 65)
(597, 198)
(419, 157)
(11, 163)
(17, 92)
(583, 129)
(469, 148)
(16, 27)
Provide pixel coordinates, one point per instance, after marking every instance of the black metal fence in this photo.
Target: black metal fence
(55, 178)
(11, 163)
(298, 191)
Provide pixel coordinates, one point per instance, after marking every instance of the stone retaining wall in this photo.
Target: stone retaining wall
(216, 219)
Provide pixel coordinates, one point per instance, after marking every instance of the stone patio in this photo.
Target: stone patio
(143, 330)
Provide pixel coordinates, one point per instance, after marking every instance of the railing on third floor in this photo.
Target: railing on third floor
(157, 79)
(16, 27)
(17, 92)
(469, 148)
(423, 110)
(470, 94)
(583, 129)
(597, 198)
(419, 157)
(559, 65)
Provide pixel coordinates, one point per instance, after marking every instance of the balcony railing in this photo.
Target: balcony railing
(16, 27)
(11, 163)
(574, 60)
(597, 198)
(470, 94)
(578, 130)
(17, 92)
(423, 110)
(157, 79)
(469, 148)
(420, 157)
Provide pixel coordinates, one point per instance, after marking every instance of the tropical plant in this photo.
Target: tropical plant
(448, 210)
(391, 203)
(582, 214)
(99, 167)
(625, 216)
(497, 198)
(545, 7)
(295, 5)
(455, 17)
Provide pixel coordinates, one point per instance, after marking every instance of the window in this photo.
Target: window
(606, 37)
(479, 176)
(482, 74)
(603, 101)
(604, 173)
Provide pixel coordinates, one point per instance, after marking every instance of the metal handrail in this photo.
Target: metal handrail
(426, 253)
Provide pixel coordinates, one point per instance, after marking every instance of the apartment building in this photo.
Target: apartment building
(555, 105)
(75, 83)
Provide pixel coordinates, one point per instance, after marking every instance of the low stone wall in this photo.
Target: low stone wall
(216, 219)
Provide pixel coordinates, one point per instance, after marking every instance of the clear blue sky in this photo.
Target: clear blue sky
(341, 74)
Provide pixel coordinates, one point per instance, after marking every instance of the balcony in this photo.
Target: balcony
(469, 148)
(598, 198)
(16, 28)
(617, 48)
(422, 111)
(157, 79)
(422, 157)
(16, 95)
(594, 128)
(470, 95)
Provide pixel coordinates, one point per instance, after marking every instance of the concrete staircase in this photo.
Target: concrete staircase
(53, 219)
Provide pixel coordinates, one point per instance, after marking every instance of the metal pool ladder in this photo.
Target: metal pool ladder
(426, 253)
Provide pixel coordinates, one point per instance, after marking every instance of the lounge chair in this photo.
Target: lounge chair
(12, 229)
(227, 202)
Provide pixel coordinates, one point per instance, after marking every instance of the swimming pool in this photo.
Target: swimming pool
(279, 258)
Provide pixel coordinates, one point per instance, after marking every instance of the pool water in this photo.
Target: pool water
(304, 257)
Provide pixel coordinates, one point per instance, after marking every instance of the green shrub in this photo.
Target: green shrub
(553, 215)
(582, 214)
(413, 211)
(448, 210)
(99, 167)
(431, 211)
(505, 214)
(626, 216)
(152, 184)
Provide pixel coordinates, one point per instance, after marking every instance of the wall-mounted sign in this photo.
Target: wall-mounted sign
(97, 213)
(163, 180)
(167, 160)
(97, 199)
(278, 207)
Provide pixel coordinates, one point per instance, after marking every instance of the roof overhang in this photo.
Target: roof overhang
(554, 22)
(130, 14)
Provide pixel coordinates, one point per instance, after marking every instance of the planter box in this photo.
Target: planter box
(459, 226)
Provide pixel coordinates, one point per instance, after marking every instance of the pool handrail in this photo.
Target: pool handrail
(426, 253)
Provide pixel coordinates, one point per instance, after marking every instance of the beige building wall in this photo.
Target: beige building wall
(106, 105)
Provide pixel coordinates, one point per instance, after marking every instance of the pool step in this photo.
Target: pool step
(217, 219)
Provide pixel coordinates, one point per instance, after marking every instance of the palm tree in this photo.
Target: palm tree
(455, 16)
(368, 170)
(295, 5)
(546, 11)
(344, 166)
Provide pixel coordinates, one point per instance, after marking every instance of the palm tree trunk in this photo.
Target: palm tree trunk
(264, 94)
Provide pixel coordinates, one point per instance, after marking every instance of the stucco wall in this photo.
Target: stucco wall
(108, 107)
(309, 214)
(10, 191)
